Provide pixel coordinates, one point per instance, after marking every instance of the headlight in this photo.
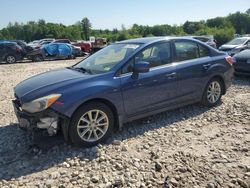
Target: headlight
(40, 104)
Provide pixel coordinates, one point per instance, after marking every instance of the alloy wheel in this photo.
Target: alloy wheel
(93, 125)
(214, 92)
(11, 59)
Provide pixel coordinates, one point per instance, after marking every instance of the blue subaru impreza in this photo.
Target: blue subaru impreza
(122, 82)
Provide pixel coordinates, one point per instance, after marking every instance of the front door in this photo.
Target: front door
(154, 89)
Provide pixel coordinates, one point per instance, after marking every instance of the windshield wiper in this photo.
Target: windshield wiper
(80, 69)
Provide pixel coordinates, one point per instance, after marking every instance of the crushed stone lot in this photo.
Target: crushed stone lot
(191, 146)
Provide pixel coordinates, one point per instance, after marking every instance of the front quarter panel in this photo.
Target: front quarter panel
(107, 88)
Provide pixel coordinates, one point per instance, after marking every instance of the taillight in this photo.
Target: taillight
(18, 49)
(229, 59)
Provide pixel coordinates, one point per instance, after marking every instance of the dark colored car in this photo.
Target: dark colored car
(25, 47)
(236, 45)
(124, 81)
(52, 51)
(208, 40)
(242, 63)
(10, 52)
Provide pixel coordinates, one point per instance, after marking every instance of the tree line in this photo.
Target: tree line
(222, 28)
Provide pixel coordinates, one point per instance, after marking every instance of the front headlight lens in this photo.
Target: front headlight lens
(40, 104)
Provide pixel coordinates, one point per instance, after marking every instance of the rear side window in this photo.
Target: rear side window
(204, 51)
(186, 50)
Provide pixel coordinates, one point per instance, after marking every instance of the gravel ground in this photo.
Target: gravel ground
(189, 147)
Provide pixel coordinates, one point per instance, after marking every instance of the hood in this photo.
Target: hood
(228, 47)
(42, 84)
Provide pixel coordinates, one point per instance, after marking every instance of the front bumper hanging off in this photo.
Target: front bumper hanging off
(48, 119)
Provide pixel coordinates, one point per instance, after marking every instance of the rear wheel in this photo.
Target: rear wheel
(212, 93)
(91, 124)
(10, 59)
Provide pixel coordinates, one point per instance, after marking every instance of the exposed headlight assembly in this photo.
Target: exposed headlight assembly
(40, 104)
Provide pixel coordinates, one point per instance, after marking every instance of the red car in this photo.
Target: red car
(85, 46)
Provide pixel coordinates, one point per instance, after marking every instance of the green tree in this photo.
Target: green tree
(248, 11)
(240, 22)
(86, 27)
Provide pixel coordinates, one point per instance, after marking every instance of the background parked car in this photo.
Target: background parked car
(236, 45)
(62, 41)
(38, 43)
(242, 62)
(209, 40)
(10, 52)
(77, 51)
(85, 46)
(25, 47)
(51, 51)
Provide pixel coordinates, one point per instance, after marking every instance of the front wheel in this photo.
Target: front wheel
(213, 92)
(91, 124)
(37, 58)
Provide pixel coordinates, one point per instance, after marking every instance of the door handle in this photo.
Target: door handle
(171, 75)
(206, 66)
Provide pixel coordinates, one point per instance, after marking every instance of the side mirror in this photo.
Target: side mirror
(140, 67)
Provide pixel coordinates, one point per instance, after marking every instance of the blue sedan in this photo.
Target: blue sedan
(124, 81)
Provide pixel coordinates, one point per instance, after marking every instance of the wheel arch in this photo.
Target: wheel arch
(219, 77)
(9, 54)
(108, 103)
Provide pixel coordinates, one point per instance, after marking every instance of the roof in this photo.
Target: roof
(152, 39)
(7, 42)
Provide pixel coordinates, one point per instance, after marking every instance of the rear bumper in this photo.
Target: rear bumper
(228, 78)
(48, 119)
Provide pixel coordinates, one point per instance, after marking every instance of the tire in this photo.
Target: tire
(84, 132)
(37, 58)
(213, 92)
(10, 58)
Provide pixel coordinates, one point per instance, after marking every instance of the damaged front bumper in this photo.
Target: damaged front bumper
(48, 119)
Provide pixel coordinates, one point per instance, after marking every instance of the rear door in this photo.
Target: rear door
(154, 89)
(192, 59)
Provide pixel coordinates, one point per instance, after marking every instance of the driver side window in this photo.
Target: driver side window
(156, 55)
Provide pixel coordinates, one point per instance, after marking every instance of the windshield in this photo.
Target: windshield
(237, 41)
(105, 59)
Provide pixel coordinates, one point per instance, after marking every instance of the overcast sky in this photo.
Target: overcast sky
(113, 13)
